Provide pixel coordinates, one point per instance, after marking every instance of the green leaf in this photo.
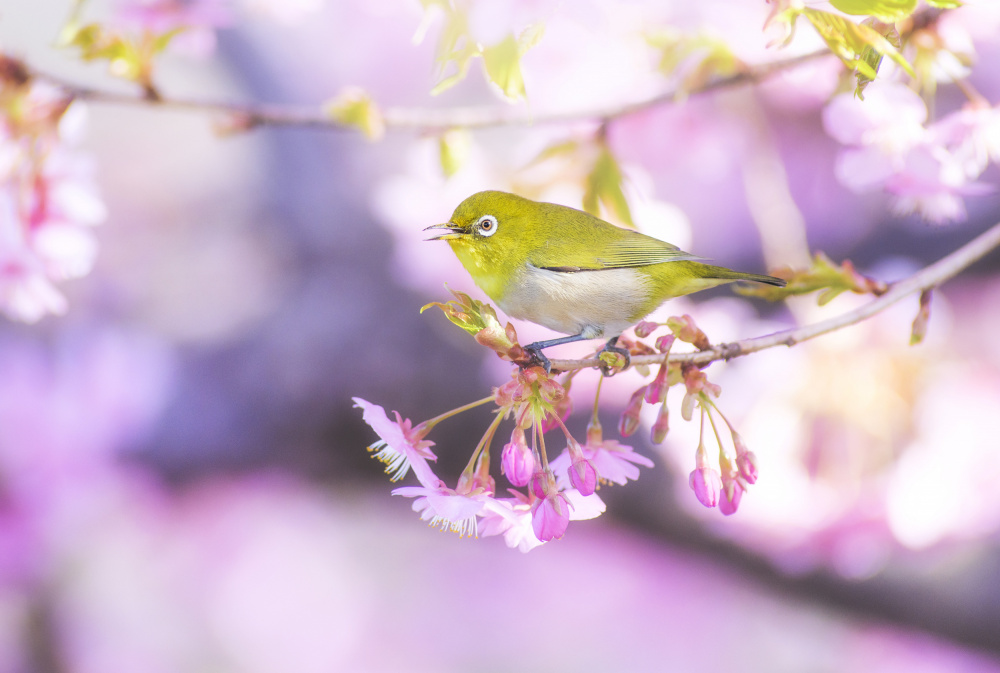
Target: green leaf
(559, 149)
(697, 59)
(871, 57)
(453, 149)
(886, 10)
(823, 275)
(848, 40)
(162, 41)
(945, 4)
(455, 49)
(503, 68)
(354, 107)
(604, 187)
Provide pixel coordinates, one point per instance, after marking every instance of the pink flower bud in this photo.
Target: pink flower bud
(645, 328)
(539, 483)
(517, 460)
(550, 517)
(629, 421)
(729, 500)
(664, 343)
(661, 426)
(747, 465)
(655, 390)
(706, 483)
(583, 476)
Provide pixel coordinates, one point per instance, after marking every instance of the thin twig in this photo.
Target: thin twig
(426, 120)
(928, 277)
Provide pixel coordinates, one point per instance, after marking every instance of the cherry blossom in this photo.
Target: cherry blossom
(402, 446)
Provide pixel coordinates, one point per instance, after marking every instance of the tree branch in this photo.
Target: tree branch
(417, 119)
(927, 278)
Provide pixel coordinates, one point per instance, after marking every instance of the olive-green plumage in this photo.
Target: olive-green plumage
(568, 270)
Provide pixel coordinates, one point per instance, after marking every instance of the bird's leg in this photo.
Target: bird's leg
(613, 347)
(538, 357)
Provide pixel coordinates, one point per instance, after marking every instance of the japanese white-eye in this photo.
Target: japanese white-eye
(570, 271)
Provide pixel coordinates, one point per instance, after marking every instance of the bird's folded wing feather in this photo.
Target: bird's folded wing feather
(628, 250)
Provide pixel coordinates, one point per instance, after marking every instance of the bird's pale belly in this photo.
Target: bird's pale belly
(600, 303)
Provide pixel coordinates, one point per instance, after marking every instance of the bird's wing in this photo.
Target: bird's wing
(626, 249)
(640, 250)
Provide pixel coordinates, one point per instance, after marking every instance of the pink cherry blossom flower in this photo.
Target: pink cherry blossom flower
(514, 523)
(550, 517)
(401, 446)
(47, 205)
(928, 170)
(706, 484)
(451, 510)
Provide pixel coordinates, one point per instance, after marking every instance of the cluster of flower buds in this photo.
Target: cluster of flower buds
(722, 486)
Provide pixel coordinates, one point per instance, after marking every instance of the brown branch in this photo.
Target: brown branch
(927, 278)
(417, 119)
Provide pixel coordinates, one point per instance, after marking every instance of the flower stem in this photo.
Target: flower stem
(454, 412)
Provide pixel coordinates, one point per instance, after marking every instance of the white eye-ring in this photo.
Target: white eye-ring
(487, 225)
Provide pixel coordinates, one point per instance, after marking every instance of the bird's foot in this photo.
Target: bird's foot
(536, 358)
(612, 347)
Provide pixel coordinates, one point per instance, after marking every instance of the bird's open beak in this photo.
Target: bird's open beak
(450, 231)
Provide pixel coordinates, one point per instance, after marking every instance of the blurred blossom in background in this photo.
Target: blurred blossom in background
(184, 484)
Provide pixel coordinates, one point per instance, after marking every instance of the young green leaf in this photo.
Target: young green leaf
(885, 10)
(870, 56)
(453, 149)
(354, 107)
(848, 40)
(604, 187)
(503, 68)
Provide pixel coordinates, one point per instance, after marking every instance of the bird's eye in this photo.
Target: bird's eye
(487, 225)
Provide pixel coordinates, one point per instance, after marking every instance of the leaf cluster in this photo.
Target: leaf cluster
(824, 274)
(480, 320)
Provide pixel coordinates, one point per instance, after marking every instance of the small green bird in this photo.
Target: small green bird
(569, 271)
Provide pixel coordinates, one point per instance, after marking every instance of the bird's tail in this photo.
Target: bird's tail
(723, 273)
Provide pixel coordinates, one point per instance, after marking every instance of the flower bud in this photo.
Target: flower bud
(583, 476)
(747, 465)
(629, 421)
(517, 461)
(664, 343)
(729, 498)
(706, 483)
(661, 426)
(540, 483)
(645, 328)
(654, 390)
